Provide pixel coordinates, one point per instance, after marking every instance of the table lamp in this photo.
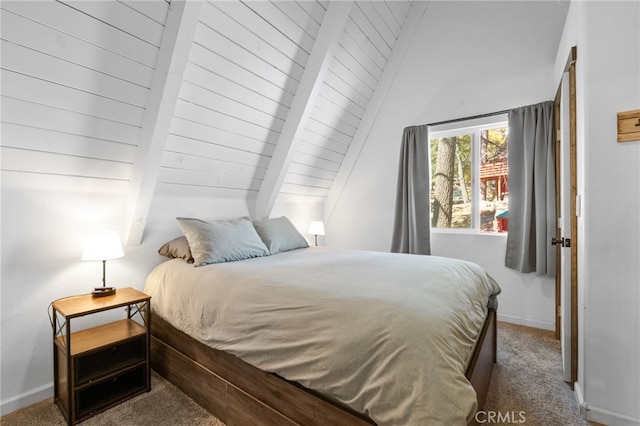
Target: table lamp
(316, 228)
(102, 246)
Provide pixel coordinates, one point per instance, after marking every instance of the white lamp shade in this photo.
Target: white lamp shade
(316, 227)
(102, 246)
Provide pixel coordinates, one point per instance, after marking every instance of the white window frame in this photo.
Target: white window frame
(471, 126)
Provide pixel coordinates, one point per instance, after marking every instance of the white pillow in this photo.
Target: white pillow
(221, 240)
(279, 235)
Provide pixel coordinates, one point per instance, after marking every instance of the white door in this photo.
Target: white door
(565, 225)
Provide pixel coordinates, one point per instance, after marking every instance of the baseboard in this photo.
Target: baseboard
(27, 398)
(526, 322)
(600, 415)
(606, 417)
(577, 390)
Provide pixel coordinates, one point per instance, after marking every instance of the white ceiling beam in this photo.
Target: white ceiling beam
(330, 31)
(180, 27)
(378, 99)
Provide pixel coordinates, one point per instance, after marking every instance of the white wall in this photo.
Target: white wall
(41, 263)
(526, 299)
(453, 71)
(607, 35)
(300, 211)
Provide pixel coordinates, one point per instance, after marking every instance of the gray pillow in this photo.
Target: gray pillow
(177, 248)
(279, 235)
(222, 240)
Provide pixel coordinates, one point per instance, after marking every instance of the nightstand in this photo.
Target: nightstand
(99, 367)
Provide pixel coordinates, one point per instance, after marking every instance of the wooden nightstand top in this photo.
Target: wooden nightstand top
(86, 304)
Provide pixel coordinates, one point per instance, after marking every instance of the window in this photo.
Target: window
(469, 175)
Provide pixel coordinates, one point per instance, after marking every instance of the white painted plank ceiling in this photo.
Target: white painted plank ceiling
(77, 80)
(363, 50)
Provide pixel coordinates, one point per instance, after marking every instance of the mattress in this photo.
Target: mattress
(388, 335)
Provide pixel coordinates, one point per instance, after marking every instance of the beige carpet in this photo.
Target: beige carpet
(527, 379)
(165, 405)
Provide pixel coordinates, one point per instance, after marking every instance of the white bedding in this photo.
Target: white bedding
(389, 335)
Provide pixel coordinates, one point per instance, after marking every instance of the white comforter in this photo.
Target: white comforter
(389, 335)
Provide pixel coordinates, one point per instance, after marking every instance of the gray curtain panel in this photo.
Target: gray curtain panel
(532, 202)
(411, 228)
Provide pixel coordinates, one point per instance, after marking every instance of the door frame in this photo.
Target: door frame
(571, 69)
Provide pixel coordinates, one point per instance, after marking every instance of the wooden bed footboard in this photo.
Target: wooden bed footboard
(238, 393)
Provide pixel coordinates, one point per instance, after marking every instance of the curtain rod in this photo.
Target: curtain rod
(473, 117)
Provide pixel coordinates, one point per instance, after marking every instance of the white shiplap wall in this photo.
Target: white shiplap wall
(77, 78)
(244, 68)
(245, 64)
(355, 69)
(75, 81)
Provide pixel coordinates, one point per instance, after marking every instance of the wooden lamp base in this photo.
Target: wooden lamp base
(103, 291)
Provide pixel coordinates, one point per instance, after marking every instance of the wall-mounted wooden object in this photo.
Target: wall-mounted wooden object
(629, 126)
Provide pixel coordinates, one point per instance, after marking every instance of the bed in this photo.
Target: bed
(316, 336)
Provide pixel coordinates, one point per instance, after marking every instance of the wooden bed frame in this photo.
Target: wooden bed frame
(238, 393)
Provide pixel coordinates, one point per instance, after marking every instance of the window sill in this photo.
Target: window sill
(467, 232)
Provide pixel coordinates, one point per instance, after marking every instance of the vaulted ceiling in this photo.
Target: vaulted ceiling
(258, 97)
(247, 99)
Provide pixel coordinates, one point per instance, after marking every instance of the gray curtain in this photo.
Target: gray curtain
(532, 202)
(411, 232)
